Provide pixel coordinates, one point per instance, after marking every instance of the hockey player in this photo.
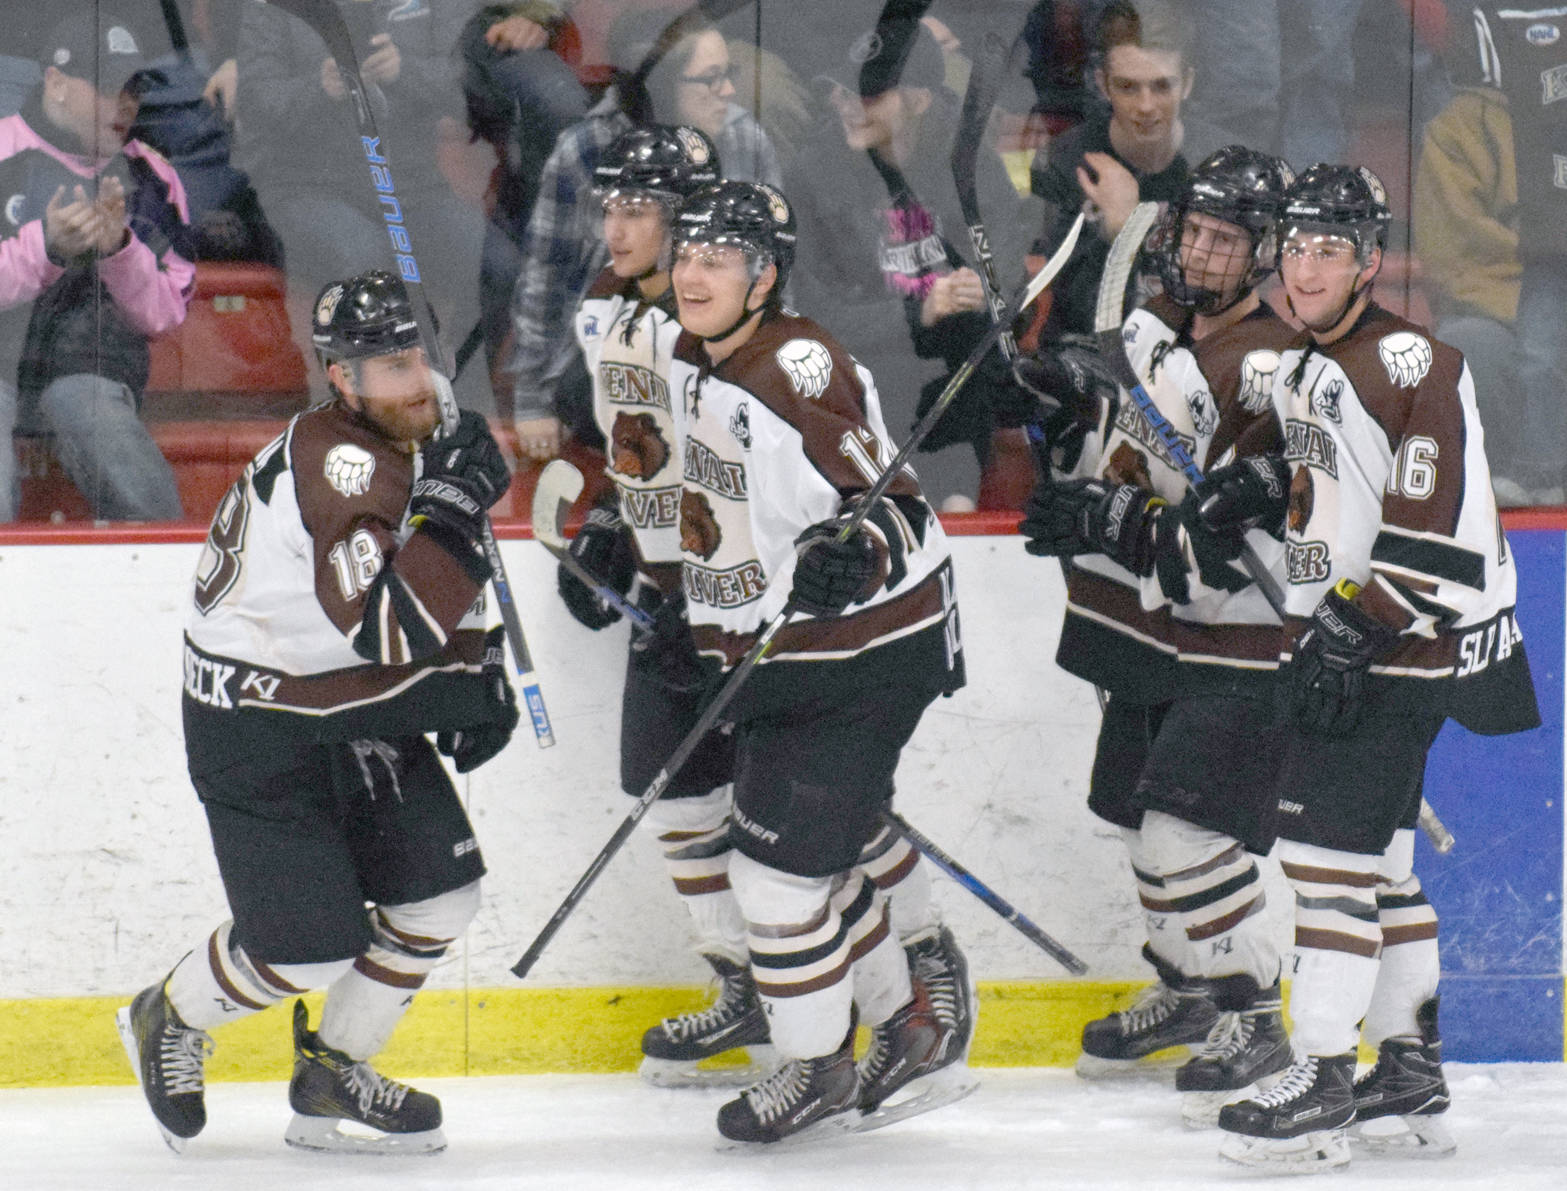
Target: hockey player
(783, 431)
(1160, 618)
(1400, 615)
(627, 329)
(337, 616)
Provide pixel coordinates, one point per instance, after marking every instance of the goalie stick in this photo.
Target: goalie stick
(557, 489)
(736, 677)
(1107, 329)
(327, 22)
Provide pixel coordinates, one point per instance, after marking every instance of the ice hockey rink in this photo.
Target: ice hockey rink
(1022, 1128)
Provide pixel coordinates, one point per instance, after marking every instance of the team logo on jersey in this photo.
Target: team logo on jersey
(327, 306)
(1303, 499)
(1205, 415)
(1553, 84)
(15, 207)
(808, 365)
(1406, 356)
(1325, 402)
(706, 467)
(1257, 372)
(349, 468)
(1542, 34)
(699, 532)
(1128, 465)
(638, 448)
(590, 327)
(740, 425)
(1374, 184)
(632, 384)
(1129, 334)
(1308, 443)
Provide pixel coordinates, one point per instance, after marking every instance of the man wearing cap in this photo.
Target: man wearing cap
(884, 256)
(93, 264)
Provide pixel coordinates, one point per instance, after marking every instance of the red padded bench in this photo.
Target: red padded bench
(235, 337)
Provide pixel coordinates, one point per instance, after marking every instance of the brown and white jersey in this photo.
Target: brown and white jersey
(777, 436)
(1390, 488)
(1121, 630)
(314, 595)
(628, 344)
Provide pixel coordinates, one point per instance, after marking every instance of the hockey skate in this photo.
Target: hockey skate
(915, 1063)
(804, 1100)
(936, 962)
(329, 1090)
(1405, 1093)
(169, 1060)
(674, 1049)
(1173, 1011)
(1245, 1051)
(1298, 1126)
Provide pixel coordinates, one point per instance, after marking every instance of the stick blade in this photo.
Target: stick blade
(557, 489)
(1054, 265)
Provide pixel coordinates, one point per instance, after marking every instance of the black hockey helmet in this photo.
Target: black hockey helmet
(1338, 200)
(749, 214)
(1241, 186)
(666, 161)
(367, 315)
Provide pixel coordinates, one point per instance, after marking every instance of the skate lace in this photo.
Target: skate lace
(940, 986)
(373, 1090)
(181, 1054)
(1230, 1035)
(1153, 1005)
(694, 1025)
(779, 1092)
(1297, 1082)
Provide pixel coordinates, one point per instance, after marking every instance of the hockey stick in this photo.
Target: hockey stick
(985, 894)
(737, 676)
(558, 487)
(1107, 328)
(984, 84)
(324, 18)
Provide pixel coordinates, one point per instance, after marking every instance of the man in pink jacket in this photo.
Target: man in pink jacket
(93, 263)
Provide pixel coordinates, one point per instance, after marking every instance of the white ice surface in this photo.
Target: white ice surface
(1023, 1128)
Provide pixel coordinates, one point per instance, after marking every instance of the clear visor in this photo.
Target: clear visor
(1321, 243)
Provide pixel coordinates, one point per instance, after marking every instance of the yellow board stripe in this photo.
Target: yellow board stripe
(510, 1031)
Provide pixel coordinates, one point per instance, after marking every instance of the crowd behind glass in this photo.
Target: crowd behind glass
(147, 146)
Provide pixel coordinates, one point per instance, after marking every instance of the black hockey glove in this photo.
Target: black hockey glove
(464, 473)
(1214, 551)
(1093, 517)
(667, 651)
(1063, 390)
(1253, 492)
(603, 547)
(830, 575)
(471, 747)
(1327, 675)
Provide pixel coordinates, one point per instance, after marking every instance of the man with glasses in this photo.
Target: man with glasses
(1399, 616)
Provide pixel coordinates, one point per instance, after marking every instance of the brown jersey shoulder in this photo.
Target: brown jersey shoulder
(346, 472)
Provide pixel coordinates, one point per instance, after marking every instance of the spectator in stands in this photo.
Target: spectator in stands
(884, 251)
(1110, 163)
(667, 70)
(520, 97)
(93, 263)
(300, 144)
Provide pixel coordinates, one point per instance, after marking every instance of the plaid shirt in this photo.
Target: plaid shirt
(564, 250)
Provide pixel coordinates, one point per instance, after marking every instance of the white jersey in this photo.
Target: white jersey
(1390, 488)
(628, 344)
(777, 436)
(1122, 632)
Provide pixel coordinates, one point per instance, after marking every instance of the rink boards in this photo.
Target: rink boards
(109, 875)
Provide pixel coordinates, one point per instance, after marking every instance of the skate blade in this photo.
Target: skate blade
(1325, 1149)
(325, 1135)
(122, 1022)
(941, 1087)
(1161, 1065)
(840, 1124)
(673, 1073)
(1408, 1136)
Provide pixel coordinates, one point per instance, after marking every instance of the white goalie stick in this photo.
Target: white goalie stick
(1107, 329)
(558, 487)
(735, 679)
(323, 17)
